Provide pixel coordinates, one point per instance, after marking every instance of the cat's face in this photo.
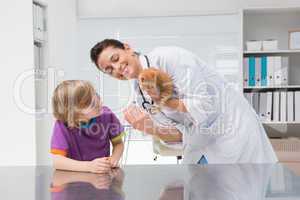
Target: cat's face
(148, 82)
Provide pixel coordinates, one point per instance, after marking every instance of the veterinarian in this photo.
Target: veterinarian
(218, 125)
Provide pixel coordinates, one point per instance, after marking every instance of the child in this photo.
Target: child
(83, 130)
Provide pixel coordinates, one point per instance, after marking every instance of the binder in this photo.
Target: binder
(35, 29)
(263, 106)
(264, 78)
(257, 71)
(290, 106)
(285, 70)
(40, 22)
(269, 106)
(255, 101)
(246, 72)
(270, 70)
(277, 70)
(252, 71)
(297, 106)
(248, 96)
(283, 106)
(36, 57)
(276, 106)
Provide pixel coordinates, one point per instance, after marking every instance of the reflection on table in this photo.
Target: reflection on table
(155, 182)
(85, 186)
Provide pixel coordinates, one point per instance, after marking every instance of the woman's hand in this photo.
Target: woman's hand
(139, 120)
(154, 94)
(100, 165)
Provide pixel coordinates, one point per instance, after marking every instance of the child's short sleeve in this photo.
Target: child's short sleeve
(116, 130)
(59, 144)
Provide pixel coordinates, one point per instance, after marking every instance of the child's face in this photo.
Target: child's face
(94, 110)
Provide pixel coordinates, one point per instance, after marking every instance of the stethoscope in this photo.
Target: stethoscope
(147, 105)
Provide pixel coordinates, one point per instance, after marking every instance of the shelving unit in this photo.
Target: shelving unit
(39, 9)
(273, 52)
(274, 23)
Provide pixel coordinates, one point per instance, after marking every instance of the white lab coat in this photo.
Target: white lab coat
(220, 123)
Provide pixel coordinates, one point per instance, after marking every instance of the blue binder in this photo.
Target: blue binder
(252, 71)
(264, 72)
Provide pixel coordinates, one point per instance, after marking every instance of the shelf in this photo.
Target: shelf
(280, 123)
(270, 10)
(273, 52)
(272, 87)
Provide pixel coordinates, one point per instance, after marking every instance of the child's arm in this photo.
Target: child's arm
(99, 165)
(117, 152)
(99, 181)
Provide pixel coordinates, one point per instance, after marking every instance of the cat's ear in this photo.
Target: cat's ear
(153, 76)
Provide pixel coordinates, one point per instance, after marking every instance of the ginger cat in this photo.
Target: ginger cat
(158, 82)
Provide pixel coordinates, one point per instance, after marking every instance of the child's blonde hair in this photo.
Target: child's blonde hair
(70, 98)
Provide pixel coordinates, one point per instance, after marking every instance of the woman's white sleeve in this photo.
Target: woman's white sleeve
(196, 84)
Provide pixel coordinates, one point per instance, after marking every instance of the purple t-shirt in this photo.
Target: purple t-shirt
(86, 144)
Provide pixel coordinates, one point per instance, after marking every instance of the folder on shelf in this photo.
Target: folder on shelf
(36, 57)
(39, 18)
(252, 71)
(277, 70)
(290, 106)
(270, 71)
(248, 96)
(283, 106)
(263, 106)
(284, 70)
(269, 107)
(276, 106)
(246, 72)
(297, 106)
(257, 71)
(264, 73)
(255, 101)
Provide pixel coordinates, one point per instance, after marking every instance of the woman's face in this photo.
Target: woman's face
(122, 64)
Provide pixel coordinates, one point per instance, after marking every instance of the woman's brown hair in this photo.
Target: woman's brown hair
(70, 98)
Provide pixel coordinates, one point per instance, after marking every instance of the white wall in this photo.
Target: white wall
(138, 8)
(17, 141)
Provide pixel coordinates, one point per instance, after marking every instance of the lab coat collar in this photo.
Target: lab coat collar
(143, 61)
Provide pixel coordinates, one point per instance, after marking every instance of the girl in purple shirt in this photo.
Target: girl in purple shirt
(84, 130)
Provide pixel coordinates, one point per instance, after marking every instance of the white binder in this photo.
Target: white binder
(297, 106)
(270, 70)
(248, 96)
(285, 70)
(276, 106)
(255, 102)
(246, 72)
(263, 106)
(277, 70)
(269, 107)
(290, 106)
(283, 106)
(257, 71)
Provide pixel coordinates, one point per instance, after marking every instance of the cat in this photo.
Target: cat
(155, 80)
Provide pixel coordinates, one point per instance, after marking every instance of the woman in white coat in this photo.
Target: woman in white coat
(216, 123)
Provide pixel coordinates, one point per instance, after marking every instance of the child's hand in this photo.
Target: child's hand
(100, 165)
(114, 162)
(101, 181)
